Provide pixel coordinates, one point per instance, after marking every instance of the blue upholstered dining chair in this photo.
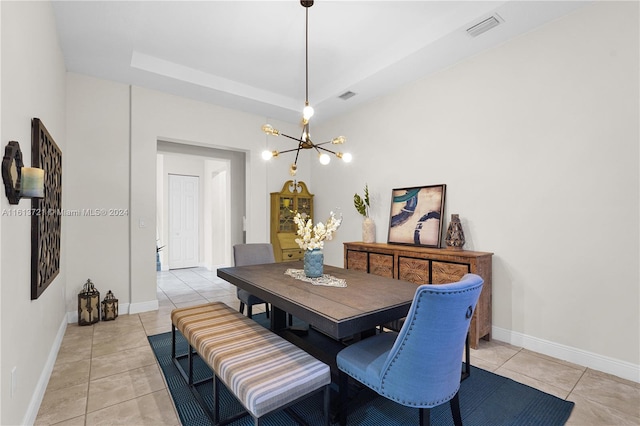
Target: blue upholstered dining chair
(252, 254)
(419, 366)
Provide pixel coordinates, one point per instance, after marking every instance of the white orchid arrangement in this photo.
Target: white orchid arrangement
(313, 237)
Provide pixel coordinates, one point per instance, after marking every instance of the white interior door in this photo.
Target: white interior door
(183, 221)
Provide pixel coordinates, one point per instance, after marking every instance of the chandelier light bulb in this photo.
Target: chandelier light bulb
(268, 129)
(266, 155)
(324, 159)
(307, 112)
(339, 140)
(346, 157)
(293, 169)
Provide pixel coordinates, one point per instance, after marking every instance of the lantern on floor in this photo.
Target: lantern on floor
(88, 305)
(109, 307)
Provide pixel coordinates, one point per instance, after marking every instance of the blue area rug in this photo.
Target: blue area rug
(485, 399)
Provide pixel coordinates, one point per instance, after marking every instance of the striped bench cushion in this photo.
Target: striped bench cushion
(263, 370)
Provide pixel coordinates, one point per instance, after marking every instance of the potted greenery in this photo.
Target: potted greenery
(362, 205)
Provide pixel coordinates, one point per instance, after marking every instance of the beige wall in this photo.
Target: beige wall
(98, 178)
(33, 85)
(537, 141)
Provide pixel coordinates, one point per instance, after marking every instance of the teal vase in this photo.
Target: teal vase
(313, 261)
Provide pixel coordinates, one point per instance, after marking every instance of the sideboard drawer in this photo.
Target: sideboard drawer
(445, 272)
(292, 254)
(381, 264)
(357, 260)
(414, 270)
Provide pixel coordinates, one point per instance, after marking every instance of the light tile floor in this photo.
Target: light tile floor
(115, 380)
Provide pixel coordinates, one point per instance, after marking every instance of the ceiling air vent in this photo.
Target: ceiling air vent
(484, 26)
(346, 95)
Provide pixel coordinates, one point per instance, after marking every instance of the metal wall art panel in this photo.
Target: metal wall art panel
(46, 217)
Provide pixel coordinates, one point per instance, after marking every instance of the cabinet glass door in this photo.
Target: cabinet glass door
(304, 207)
(286, 207)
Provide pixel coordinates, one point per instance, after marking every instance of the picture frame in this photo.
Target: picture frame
(416, 215)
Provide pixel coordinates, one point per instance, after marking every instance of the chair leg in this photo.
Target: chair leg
(241, 307)
(249, 310)
(425, 416)
(266, 308)
(326, 405)
(455, 409)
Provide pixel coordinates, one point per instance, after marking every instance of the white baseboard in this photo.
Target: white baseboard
(43, 381)
(609, 365)
(136, 308)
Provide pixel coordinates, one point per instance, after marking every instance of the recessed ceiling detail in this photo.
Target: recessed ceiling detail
(246, 55)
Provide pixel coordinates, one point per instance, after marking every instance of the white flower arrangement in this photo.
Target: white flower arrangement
(321, 232)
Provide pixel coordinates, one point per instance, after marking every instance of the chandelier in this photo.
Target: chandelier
(304, 141)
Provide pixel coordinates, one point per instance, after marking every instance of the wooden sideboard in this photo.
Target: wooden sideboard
(423, 265)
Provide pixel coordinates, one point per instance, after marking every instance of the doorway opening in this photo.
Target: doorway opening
(209, 186)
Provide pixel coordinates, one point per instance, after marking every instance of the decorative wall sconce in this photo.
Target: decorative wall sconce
(12, 171)
(109, 307)
(19, 181)
(88, 305)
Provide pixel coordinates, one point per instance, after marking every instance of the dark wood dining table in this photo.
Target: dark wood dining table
(339, 312)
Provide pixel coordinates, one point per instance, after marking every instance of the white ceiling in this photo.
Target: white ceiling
(249, 55)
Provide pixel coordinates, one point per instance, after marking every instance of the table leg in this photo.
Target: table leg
(278, 319)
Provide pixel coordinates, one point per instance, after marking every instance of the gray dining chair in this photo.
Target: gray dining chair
(252, 254)
(421, 365)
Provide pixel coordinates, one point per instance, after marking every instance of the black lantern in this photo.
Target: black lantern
(109, 307)
(88, 305)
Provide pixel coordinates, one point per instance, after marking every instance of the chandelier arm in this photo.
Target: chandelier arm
(317, 147)
(299, 140)
(289, 150)
(297, 154)
(322, 143)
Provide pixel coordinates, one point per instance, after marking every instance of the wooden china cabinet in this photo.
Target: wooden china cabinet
(294, 197)
(423, 265)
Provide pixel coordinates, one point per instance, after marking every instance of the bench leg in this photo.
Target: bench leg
(190, 373)
(175, 358)
(216, 400)
(173, 341)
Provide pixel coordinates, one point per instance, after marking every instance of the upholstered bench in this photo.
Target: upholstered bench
(263, 370)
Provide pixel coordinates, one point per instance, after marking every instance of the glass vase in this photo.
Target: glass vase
(313, 263)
